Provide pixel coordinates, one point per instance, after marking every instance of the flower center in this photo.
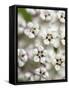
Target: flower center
(22, 55)
(59, 61)
(40, 54)
(49, 37)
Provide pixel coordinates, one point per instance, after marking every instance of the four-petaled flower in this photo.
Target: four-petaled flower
(32, 30)
(39, 54)
(50, 37)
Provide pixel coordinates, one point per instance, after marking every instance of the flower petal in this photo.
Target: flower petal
(57, 67)
(36, 59)
(20, 63)
(63, 41)
(46, 42)
(42, 59)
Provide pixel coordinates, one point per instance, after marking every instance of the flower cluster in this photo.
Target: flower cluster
(41, 45)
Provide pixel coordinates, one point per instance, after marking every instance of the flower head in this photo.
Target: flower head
(32, 30)
(46, 15)
(39, 54)
(42, 73)
(50, 37)
(59, 62)
(61, 16)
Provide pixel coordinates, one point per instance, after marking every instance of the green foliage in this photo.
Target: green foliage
(27, 16)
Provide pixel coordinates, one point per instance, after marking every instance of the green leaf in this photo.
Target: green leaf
(27, 16)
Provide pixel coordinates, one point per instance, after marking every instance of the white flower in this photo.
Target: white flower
(39, 54)
(50, 38)
(32, 30)
(41, 73)
(61, 16)
(59, 62)
(46, 15)
(22, 57)
(21, 24)
(33, 12)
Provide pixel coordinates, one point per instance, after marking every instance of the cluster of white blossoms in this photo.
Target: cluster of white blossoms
(41, 45)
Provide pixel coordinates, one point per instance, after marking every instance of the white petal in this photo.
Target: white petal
(63, 64)
(37, 71)
(36, 59)
(40, 48)
(48, 18)
(30, 25)
(57, 67)
(20, 63)
(31, 35)
(54, 61)
(26, 31)
(25, 58)
(62, 20)
(46, 42)
(45, 52)
(42, 59)
(36, 31)
(63, 42)
(18, 52)
(35, 51)
(46, 74)
(42, 16)
(43, 69)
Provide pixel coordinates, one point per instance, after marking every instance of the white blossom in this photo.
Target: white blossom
(41, 73)
(39, 54)
(48, 15)
(50, 37)
(22, 57)
(32, 30)
(61, 16)
(59, 61)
